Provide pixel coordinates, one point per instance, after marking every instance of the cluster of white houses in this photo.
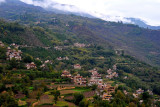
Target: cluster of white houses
(12, 53)
(15, 53)
(77, 66)
(1, 44)
(79, 45)
(140, 91)
(15, 45)
(78, 79)
(45, 63)
(95, 79)
(31, 65)
(108, 90)
(112, 73)
(62, 58)
(59, 48)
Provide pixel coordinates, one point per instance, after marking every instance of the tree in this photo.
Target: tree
(1, 68)
(96, 97)
(56, 94)
(13, 63)
(119, 99)
(84, 103)
(94, 87)
(147, 98)
(38, 62)
(28, 59)
(132, 105)
(2, 87)
(2, 53)
(7, 101)
(78, 97)
(120, 95)
(25, 91)
(158, 103)
(104, 104)
(38, 95)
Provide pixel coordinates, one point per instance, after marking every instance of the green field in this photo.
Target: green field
(81, 89)
(61, 104)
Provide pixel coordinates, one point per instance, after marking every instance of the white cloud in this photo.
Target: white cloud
(2, 1)
(147, 10)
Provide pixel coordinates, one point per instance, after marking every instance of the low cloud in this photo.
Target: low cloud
(111, 10)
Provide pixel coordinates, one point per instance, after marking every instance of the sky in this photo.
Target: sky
(111, 10)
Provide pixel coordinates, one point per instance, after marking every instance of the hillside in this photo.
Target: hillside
(141, 43)
(31, 75)
(87, 55)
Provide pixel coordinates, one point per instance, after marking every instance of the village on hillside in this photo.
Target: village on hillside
(69, 82)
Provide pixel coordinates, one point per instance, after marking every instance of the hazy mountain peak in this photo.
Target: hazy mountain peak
(105, 8)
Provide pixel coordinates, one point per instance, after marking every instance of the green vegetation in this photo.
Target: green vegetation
(62, 104)
(78, 97)
(7, 101)
(81, 89)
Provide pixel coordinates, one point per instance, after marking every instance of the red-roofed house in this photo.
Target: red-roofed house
(65, 73)
(31, 66)
(79, 80)
(77, 66)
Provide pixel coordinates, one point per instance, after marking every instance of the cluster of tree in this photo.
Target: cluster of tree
(145, 76)
(2, 53)
(119, 99)
(6, 100)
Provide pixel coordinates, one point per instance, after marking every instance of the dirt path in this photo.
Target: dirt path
(34, 104)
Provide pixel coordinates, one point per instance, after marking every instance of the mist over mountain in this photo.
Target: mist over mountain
(143, 24)
(64, 8)
(107, 10)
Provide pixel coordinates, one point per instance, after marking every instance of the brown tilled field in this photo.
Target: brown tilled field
(67, 92)
(89, 94)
